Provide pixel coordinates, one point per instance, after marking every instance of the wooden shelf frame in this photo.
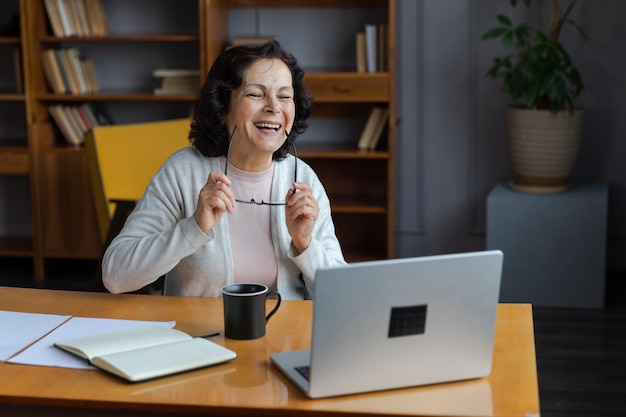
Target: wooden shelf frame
(360, 184)
(15, 152)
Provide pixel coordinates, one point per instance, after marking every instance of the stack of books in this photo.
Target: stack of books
(371, 49)
(67, 71)
(74, 121)
(250, 40)
(177, 81)
(374, 127)
(76, 17)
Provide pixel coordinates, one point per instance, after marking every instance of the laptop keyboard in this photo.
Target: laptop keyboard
(305, 371)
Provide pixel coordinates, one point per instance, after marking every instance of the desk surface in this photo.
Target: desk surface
(249, 385)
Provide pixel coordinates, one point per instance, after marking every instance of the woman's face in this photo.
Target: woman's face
(263, 109)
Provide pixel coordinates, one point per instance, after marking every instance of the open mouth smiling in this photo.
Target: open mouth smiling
(272, 126)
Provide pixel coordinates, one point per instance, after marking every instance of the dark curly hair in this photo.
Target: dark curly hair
(209, 133)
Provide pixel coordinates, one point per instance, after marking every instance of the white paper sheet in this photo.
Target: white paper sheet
(44, 353)
(18, 329)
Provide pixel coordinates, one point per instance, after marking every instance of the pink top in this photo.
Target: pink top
(249, 227)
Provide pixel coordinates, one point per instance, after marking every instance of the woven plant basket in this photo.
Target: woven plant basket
(543, 146)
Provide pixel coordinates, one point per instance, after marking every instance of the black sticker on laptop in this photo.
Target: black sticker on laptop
(407, 321)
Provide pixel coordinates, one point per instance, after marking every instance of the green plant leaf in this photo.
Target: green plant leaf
(514, 3)
(495, 33)
(537, 71)
(507, 40)
(505, 20)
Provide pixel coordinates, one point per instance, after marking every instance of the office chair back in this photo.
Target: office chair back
(122, 159)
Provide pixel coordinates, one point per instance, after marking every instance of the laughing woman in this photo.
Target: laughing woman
(235, 206)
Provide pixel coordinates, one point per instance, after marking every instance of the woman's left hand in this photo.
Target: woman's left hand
(301, 212)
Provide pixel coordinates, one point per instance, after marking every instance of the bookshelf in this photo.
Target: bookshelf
(359, 183)
(16, 209)
(187, 34)
(124, 58)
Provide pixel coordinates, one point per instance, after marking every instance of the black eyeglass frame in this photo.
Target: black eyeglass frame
(252, 200)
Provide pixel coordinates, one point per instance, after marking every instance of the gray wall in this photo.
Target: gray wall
(451, 130)
(451, 133)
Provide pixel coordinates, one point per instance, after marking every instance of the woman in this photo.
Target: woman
(236, 206)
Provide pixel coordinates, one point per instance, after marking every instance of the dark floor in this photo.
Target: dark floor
(581, 357)
(581, 354)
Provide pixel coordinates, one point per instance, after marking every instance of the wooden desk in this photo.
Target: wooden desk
(249, 385)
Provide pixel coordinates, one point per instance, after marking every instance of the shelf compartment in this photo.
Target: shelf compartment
(119, 38)
(16, 246)
(9, 40)
(354, 185)
(11, 97)
(117, 96)
(362, 236)
(69, 226)
(326, 88)
(359, 183)
(14, 161)
(349, 87)
(309, 150)
(233, 4)
(361, 205)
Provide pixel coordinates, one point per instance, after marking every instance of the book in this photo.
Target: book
(377, 133)
(74, 57)
(175, 72)
(370, 128)
(74, 121)
(96, 18)
(90, 115)
(80, 12)
(165, 91)
(91, 77)
(181, 82)
(48, 73)
(58, 57)
(361, 63)
(147, 352)
(81, 121)
(251, 40)
(68, 30)
(42, 352)
(67, 67)
(76, 126)
(52, 72)
(371, 47)
(177, 81)
(54, 17)
(65, 124)
(67, 70)
(74, 24)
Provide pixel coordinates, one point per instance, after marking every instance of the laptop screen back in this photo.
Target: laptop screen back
(404, 322)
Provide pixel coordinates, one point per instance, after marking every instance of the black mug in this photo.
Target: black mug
(244, 310)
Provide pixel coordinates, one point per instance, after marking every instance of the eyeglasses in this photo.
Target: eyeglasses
(252, 200)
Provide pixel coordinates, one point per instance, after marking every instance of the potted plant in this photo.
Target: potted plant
(544, 126)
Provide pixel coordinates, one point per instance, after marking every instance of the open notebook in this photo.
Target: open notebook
(146, 352)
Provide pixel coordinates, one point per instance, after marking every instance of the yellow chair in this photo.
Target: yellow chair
(122, 159)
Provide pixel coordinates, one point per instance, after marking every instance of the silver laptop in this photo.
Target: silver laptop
(398, 323)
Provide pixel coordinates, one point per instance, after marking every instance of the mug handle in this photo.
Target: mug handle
(267, 318)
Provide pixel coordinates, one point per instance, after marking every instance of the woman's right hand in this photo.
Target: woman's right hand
(214, 199)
